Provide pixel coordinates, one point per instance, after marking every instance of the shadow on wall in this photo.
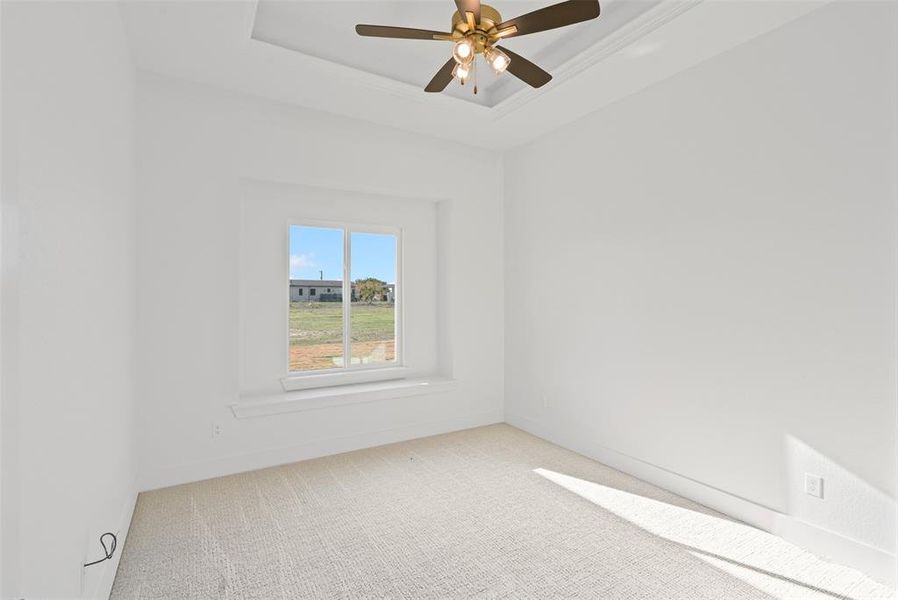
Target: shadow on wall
(764, 561)
(849, 505)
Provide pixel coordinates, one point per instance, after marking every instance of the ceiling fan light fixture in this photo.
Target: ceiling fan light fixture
(461, 71)
(497, 59)
(463, 51)
(477, 27)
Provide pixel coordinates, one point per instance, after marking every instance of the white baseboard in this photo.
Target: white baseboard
(229, 465)
(104, 585)
(875, 562)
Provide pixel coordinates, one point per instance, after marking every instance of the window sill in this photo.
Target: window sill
(294, 383)
(312, 399)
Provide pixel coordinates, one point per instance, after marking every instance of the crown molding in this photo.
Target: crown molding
(229, 58)
(372, 81)
(618, 39)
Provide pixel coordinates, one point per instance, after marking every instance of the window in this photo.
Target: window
(300, 292)
(340, 331)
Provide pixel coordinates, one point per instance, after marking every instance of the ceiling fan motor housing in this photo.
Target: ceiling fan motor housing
(483, 32)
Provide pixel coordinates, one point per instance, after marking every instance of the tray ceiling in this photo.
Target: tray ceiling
(325, 30)
(312, 57)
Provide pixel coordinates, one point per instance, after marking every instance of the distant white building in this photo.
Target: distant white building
(328, 290)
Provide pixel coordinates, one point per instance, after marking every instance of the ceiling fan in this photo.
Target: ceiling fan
(476, 28)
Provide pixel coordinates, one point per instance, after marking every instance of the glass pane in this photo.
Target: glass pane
(316, 298)
(373, 316)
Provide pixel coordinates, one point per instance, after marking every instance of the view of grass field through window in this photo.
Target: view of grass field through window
(316, 298)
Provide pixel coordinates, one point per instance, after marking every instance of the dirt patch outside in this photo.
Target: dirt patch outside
(322, 356)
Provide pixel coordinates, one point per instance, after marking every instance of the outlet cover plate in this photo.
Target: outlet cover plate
(813, 485)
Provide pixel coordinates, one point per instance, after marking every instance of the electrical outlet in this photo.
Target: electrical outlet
(813, 485)
(216, 430)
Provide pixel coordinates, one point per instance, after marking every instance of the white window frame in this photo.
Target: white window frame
(348, 373)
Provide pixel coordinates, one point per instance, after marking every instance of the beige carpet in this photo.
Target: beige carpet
(485, 513)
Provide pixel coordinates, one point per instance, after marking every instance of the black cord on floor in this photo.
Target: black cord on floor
(108, 550)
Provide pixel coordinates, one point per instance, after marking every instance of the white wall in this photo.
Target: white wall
(728, 237)
(731, 237)
(68, 294)
(196, 146)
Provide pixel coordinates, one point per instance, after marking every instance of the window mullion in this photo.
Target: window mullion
(347, 298)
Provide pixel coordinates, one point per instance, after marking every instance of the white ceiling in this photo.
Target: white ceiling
(326, 30)
(321, 64)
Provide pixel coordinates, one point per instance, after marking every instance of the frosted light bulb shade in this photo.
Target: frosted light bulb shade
(497, 59)
(463, 51)
(461, 71)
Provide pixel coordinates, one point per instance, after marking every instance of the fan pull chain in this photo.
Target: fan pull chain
(475, 76)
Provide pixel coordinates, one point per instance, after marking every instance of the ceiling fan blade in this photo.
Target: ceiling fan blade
(525, 70)
(442, 78)
(472, 6)
(405, 33)
(552, 17)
